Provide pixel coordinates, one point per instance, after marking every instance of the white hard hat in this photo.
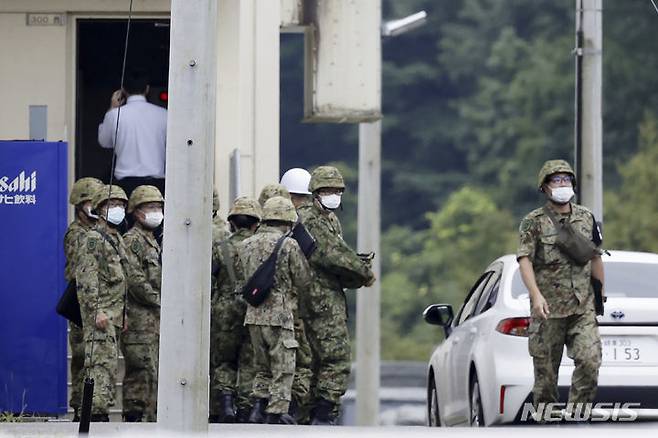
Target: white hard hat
(296, 181)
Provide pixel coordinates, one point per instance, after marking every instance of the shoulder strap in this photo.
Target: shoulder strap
(228, 261)
(551, 216)
(279, 243)
(109, 240)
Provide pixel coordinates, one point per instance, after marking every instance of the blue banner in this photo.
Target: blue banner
(33, 221)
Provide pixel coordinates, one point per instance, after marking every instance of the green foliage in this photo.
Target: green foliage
(632, 211)
(438, 265)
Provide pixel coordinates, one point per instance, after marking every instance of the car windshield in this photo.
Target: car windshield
(635, 280)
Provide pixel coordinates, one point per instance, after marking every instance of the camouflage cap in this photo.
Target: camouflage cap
(215, 200)
(142, 195)
(270, 191)
(107, 192)
(84, 189)
(279, 208)
(326, 177)
(554, 166)
(246, 206)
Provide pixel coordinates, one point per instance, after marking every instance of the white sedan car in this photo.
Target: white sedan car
(481, 374)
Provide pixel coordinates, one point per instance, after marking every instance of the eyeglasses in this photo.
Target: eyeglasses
(561, 179)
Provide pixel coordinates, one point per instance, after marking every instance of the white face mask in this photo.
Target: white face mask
(562, 195)
(88, 212)
(331, 202)
(115, 215)
(153, 219)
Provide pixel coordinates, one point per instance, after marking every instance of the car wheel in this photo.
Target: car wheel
(433, 418)
(477, 415)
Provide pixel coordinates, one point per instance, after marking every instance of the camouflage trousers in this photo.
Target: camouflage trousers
(301, 386)
(274, 361)
(140, 382)
(77, 344)
(546, 341)
(231, 355)
(330, 343)
(102, 364)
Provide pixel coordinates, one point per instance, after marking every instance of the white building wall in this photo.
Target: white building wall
(32, 72)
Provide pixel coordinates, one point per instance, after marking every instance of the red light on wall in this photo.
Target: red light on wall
(164, 96)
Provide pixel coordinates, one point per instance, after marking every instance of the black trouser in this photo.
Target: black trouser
(130, 183)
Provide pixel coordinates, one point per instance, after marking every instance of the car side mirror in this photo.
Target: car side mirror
(439, 314)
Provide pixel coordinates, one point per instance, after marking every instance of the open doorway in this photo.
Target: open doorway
(100, 45)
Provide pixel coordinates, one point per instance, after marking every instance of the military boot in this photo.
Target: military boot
(293, 408)
(226, 410)
(323, 414)
(257, 414)
(280, 419)
(133, 417)
(100, 418)
(243, 415)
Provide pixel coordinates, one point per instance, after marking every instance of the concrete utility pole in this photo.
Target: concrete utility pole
(185, 316)
(368, 236)
(589, 126)
(368, 299)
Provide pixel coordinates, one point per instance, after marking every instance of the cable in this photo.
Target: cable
(654, 5)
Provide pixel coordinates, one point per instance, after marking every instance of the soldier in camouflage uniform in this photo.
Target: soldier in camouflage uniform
(296, 181)
(270, 191)
(219, 234)
(271, 325)
(233, 372)
(140, 343)
(102, 287)
(81, 195)
(561, 294)
(335, 266)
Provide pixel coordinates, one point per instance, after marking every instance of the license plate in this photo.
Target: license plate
(627, 349)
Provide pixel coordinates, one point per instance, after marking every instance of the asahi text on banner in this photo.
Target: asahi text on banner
(19, 190)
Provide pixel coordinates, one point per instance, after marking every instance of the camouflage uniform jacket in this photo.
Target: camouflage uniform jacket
(334, 264)
(144, 283)
(100, 275)
(73, 238)
(565, 285)
(219, 234)
(225, 288)
(292, 274)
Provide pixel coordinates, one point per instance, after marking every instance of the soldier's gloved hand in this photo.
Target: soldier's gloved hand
(102, 321)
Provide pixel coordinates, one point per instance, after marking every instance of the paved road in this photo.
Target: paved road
(637, 429)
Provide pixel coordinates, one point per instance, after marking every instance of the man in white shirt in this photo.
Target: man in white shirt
(141, 139)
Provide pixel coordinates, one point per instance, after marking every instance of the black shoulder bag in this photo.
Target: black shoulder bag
(258, 287)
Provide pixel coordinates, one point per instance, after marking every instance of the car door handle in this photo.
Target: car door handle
(455, 340)
(473, 331)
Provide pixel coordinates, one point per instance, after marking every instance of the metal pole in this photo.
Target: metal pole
(368, 299)
(185, 317)
(590, 168)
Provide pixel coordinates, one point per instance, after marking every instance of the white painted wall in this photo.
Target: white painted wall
(32, 72)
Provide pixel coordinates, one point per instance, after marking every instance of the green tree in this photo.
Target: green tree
(439, 264)
(631, 213)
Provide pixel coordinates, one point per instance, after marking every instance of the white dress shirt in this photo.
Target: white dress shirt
(141, 139)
